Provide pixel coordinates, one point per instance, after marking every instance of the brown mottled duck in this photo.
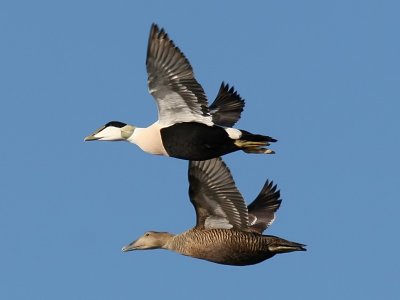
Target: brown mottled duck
(226, 232)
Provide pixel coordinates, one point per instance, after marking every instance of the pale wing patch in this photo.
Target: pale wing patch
(219, 217)
(252, 220)
(271, 221)
(173, 109)
(234, 133)
(214, 222)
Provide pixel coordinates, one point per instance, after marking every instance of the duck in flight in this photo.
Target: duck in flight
(187, 128)
(227, 231)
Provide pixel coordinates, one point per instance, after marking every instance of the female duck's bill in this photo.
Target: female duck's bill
(187, 127)
(227, 231)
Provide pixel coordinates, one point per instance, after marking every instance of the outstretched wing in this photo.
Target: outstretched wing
(179, 97)
(262, 209)
(213, 193)
(227, 106)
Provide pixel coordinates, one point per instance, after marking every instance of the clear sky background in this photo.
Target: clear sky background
(323, 77)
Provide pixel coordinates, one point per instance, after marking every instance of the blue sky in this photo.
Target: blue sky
(320, 76)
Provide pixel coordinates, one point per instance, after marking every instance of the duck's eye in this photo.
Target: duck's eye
(147, 234)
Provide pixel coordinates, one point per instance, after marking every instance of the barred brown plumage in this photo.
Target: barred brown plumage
(226, 231)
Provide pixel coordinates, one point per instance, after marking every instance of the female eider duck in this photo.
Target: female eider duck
(186, 128)
(226, 232)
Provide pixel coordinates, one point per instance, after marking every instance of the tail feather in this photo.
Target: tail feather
(247, 136)
(254, 143)
(284, 246)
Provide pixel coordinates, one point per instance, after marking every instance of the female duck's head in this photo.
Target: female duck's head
(149, 240)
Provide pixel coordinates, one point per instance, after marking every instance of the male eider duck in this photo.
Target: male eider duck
(226, 232)
(185, 128)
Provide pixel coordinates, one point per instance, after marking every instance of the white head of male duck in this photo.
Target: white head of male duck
(227, 231)
(187, 128)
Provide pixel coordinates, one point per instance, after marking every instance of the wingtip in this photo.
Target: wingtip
(157, 32)
(272, 140)
(230, 90)
(271, 187)
(153, 29)
(224, 86)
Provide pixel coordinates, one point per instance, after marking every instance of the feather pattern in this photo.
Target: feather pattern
(213, 193)
(179, 97)
(262, 209)
(227, 106)
(222, 233)
(219, 204)
(231, 247)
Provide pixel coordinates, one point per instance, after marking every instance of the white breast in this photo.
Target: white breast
(149, 139)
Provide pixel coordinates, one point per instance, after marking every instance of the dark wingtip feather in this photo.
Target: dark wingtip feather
(269, 196)
(265, 205)
(227, 107)
(157, 32)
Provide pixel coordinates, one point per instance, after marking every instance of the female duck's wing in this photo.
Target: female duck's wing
(213, 193)
(262, 209)
(179, 97)
(227, 106)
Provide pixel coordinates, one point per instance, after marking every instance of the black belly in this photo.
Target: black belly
(196, 141)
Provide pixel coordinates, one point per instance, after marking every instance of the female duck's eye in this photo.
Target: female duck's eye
(147, 234)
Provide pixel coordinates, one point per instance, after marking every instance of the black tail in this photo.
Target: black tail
(254, 143)
(247, 136)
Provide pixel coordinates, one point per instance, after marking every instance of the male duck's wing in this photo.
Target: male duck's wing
(262, 209)
(227, 106)
(213, 193)
(179, 97)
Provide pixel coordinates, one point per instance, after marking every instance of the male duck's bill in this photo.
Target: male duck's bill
(112, 131)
